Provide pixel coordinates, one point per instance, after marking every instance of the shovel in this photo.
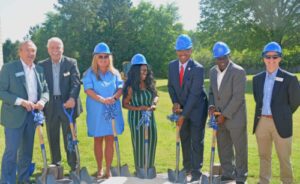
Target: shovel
(146, 172)
(44, 178)
(213, 124)
(176, 176)
(79, 176)
(120, 170)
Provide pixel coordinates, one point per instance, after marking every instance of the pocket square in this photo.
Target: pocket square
(279, 79)
(66, 74)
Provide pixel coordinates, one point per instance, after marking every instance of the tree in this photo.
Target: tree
(10, 51)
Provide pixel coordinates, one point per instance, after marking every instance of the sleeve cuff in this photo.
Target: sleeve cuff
(19, 101)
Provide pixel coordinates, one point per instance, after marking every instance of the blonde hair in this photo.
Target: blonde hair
(111, 67)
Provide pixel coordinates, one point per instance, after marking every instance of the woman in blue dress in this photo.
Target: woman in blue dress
(103, 86)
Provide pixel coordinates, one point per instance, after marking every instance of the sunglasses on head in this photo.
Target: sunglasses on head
(271, 56)
(103, 57)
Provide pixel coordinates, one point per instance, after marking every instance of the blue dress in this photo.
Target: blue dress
(107, 86)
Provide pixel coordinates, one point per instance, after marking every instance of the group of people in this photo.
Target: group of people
(53, 85)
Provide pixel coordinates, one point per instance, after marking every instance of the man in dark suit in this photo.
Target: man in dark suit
(276, 93)
(63, 78)
(23, 88)
(227, 96)
(186, 89)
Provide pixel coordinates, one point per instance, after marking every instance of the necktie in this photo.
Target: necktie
(181, 73)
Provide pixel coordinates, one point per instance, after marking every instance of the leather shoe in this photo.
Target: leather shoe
(226, 178)
(240, 182)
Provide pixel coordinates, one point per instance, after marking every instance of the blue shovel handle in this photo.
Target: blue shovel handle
(69, 114)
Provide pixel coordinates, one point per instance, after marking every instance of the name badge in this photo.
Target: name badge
(279, 79)
(66, 74)
(19, 74)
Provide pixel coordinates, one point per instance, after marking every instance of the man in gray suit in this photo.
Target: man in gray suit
(277, 96)
(227, 96)
(186, 89)
(63, 78)
(23, 88)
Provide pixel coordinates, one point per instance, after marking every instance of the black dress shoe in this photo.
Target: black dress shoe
(226, 178)
(194, 179)
(240, 182)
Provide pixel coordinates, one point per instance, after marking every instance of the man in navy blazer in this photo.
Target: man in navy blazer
(277, 96)
(23, 88)
(186, 89)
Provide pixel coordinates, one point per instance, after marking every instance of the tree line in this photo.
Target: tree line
(245, 25)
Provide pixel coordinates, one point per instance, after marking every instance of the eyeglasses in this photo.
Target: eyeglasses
(271, 57)
(103, 57)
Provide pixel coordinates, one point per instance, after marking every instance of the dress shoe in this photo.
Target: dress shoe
(240, 182)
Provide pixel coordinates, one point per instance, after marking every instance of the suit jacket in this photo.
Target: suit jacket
(69, 83)
(285, 100)
(12, 86)
(230, 98)
(191, 96)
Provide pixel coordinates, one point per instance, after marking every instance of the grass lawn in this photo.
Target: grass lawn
(165, 154)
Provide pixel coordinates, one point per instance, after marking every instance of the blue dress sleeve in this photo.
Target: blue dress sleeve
(119, 81)
(87, 80)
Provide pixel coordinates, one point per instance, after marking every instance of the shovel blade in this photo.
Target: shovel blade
(141, 173)
(48, 180)
(176, 176)
(85, 178)
(124, 171)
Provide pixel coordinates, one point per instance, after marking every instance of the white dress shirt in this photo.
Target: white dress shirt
(220, 75)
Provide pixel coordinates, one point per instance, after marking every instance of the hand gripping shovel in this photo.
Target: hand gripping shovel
(146, 172)
(79, 176)
(44, 178)
(176, 176)
(213, 124)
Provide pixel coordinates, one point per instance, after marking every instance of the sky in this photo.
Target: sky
(17, 16)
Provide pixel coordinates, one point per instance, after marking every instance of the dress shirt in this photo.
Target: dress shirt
(268, 90)
(55, 74)
(220, 75)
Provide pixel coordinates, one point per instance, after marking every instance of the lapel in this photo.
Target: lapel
(261, 83)
(38, 80)
(214, 82)
(176, 73)
(277, 84)
(226, 76)
(61, 70)
(187, 71)
(20, 69)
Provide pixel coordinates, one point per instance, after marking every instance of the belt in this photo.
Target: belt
(267, 116)
(56, 97)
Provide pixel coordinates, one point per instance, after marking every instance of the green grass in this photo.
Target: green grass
(165, 154)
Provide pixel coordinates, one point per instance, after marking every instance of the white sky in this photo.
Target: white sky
(17, 16)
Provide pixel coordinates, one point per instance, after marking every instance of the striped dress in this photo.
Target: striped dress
(137, 136)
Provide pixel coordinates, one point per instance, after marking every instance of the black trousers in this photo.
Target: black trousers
(53, 123)
(192, 143)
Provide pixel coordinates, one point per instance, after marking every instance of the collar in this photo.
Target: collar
(25, 66)
(224, 71)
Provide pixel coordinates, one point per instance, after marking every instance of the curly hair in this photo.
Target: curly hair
(134, 79)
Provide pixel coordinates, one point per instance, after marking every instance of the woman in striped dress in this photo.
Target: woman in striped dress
(139, 95)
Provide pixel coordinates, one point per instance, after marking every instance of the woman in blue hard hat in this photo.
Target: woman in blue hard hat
(140, 95)
(103, 86)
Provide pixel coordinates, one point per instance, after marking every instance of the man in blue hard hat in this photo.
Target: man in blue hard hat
(227, 96)
(186, 89)
(63, 79)
(276, 93)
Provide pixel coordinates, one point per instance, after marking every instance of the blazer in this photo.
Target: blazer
(230, 98)
(69, 83)
(285, 100)
(12, 86)
(191, 96)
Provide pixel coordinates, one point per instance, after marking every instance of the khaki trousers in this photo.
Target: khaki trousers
(266, 133)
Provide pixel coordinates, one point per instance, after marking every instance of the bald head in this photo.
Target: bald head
(55, 49)
(27, 52)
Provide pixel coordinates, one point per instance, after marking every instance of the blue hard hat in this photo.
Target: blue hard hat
(138, 59)
(272, 47)
(101, 48)
(220, 49)
(183, 42)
